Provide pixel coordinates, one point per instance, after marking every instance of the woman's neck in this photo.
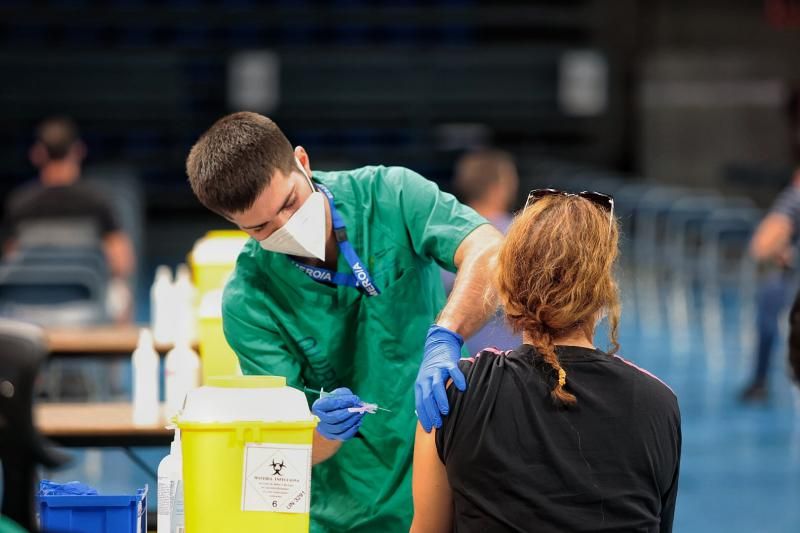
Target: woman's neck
(573, 338)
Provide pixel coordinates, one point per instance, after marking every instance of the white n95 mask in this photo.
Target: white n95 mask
(303, 235)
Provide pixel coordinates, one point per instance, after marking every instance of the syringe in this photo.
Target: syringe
(366, 408)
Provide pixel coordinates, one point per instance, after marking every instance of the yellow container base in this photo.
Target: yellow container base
(213, 465)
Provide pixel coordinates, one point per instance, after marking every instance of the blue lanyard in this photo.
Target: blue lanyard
(359, 278)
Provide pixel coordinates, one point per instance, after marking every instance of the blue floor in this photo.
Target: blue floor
(740, 464)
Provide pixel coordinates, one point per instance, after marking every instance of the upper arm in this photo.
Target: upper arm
(106, 218)
(485, 239)
(119, 253)
(433, 495)
(436, 222)
(257, 342)
(433, 498)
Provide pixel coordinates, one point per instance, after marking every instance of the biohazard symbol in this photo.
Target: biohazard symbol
(277, 467)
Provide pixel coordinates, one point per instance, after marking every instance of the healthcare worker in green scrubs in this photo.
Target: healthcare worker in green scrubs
(339, 289)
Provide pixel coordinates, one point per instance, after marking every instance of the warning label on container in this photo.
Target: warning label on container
(277, 478)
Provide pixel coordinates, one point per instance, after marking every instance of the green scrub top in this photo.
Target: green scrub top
(9, 526)
(281, 322)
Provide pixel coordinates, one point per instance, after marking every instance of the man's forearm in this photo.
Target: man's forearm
(473, 300)
(772, 237)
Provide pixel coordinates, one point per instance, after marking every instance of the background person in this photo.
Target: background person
(59, 196)
(58, 154)
(772, 245)
(487, 181)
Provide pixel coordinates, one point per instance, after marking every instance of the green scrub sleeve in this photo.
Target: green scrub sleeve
(437, 223)
(260, 349)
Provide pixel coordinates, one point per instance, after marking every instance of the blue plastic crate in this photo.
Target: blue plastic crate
(94, 514)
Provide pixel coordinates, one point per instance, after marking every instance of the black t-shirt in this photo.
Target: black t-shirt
(77, 202)
(516, 462)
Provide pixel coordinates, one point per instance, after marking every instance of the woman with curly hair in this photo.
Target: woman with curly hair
(556, 435)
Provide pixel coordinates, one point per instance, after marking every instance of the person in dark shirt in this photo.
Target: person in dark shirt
(487, 181)
(60, 210)
(555, 435)
(772, 246)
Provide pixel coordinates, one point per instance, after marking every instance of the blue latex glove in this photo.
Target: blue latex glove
(335, 421)
(73, 488)
(440, 362)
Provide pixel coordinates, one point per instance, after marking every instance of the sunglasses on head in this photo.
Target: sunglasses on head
(599, 199)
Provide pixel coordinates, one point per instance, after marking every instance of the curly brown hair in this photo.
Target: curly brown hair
(555, 276)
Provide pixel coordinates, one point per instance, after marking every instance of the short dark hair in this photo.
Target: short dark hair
(233, 162)
(57, 135)
(477, 171)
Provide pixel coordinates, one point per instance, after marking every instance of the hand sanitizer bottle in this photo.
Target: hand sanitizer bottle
(181, 374)
(185, 296)
(170, 489)
(145, 381)
(162, 306)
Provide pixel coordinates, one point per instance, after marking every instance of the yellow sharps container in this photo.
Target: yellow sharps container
(246, 444)
(217, 356)
(213, 259)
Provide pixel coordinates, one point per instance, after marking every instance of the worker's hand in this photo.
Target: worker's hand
(440, 362)
(335, 421)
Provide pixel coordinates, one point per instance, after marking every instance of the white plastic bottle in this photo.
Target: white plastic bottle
(170, 489)
(181, 374)
(145, 381)
(162, 306)
(185, 295)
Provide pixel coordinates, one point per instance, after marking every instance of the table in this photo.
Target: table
(100, 425)
(96, 341)
(110, 343)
